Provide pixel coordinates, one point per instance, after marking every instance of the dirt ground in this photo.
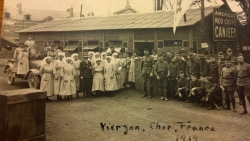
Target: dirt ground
(79, 119)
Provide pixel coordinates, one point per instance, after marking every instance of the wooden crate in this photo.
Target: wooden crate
(22, 115)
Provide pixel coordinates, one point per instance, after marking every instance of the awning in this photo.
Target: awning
(90, 47)
(71, 47)
(117, 49)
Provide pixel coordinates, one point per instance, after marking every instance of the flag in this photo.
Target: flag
(180, 8)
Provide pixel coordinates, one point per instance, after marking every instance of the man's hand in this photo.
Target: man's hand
(179, 89)
(158, 78)
(168, 75)
(81, 77)
(151, 74)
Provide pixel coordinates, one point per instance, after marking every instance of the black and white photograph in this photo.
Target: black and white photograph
(125, 70)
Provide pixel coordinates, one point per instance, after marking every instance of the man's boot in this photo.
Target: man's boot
(165, 94)
(59, 97)
(233, 104)
(244, 107)
(211, 107)
(228, 105)
(160, 92)
(77, 95)
(145, 92)
(151, 92)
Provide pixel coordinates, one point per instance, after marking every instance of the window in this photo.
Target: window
(172, 43)
(124, 44)
(160, 44)
(185, 43)
(100, 44)
(79, 46)
(7, 15)
(91, 43)
(106, 44)
(116, 43)
(245, 46)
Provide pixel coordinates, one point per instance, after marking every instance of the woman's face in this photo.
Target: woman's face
(68, 61)
(75, 57)
(60, 57)
(108, 59)
(104, 56)
(98, 62)
(48, 60)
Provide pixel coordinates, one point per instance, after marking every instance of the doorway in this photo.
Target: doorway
(139, 46)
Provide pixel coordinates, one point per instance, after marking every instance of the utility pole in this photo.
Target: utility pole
(202, 24)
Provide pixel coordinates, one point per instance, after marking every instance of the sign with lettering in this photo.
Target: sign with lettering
(204, 45)
(224, 25)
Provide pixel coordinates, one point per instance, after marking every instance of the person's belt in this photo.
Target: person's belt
(162, 72)
(243, 77)
(48, 72)
(227, 78)
(98, 71)
(77, 69)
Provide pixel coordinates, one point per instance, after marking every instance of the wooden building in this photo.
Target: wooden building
(134, 31)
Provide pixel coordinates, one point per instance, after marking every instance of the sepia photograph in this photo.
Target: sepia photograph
(125, 70)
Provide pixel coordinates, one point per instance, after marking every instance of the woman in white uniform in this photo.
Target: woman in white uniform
(110, 77)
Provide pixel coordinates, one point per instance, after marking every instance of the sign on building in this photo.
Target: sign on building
(224, 25)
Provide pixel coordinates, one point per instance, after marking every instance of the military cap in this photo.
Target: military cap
(202, 56)
(229, 50)
(183, 50)
(191, 54)
(239, 54)
(227, 59)
(210, 79)
(212, 56)
(193, 74)
(181, 72)
(220, 53)
(146, 49)
(21, 44)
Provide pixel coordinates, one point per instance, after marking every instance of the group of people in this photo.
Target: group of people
(200, 79)
(96, 74)
(189, 77)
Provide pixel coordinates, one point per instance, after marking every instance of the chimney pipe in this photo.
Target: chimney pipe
(19, 8)
(71, 12)
(81, 11)
(185, 18)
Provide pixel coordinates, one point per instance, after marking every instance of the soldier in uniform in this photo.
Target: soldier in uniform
(213, 69)
(147, 62)
(243, 80)
(211, 93)
(194, 89)
(221, 62)
(31, 45)
(230, 56)
(161, 71)
(203, 67)
(193, 67)
(182, 86)
(174, 72)
(227, 83)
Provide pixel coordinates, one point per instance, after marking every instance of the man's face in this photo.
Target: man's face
(227, 63)
(160, 58)
(104, 56)
(181, 74)
(29, 38)
(240, 59)
(173, 59)
(193, 78)
(75, 57)
(90, 55)
(229, 53)
(146, 52)
(60, 57)
(220, 56)
(98, 62)
(177, 54)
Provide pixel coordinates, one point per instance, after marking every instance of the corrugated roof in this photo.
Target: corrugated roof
(159, 19)
(37, 15)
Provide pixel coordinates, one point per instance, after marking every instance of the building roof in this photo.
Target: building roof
(37, 15)
(158, 19)
(126, 10)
